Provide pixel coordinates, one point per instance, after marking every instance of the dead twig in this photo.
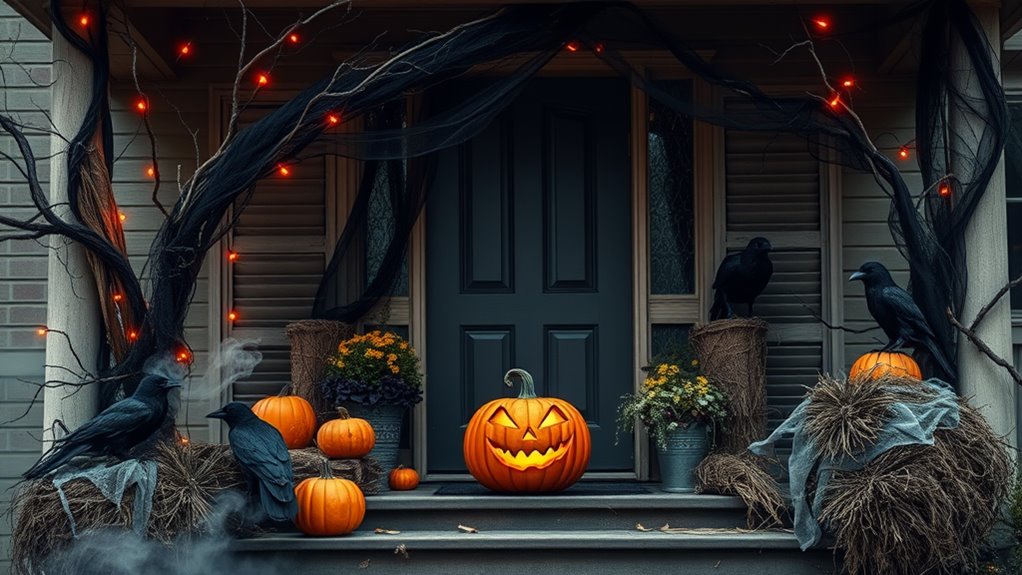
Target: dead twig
(983, 347)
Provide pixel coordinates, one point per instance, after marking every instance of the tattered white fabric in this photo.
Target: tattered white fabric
(112, 481)
(910, 424)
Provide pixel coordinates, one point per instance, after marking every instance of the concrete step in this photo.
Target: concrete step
(422, 510)
(593, 552)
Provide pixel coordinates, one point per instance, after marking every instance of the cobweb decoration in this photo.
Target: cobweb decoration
(113, 481)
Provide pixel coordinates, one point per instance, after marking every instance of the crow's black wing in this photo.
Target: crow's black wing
(260, 449)
(900, 303)
(114, 422)
(726, 270)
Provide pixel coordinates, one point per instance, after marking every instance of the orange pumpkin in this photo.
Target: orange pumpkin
(877, 364)
(527, 444)
(346, 437)
(404, 478)
(329, 505)
(293, 417)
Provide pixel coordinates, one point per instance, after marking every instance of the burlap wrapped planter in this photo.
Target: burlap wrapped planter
(312, 342)
(733, 357)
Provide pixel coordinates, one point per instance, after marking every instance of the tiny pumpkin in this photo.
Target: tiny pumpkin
(404, 478)
(328, 505)
(877, 364)
(527, 444)
(346, 437)
(293, 417)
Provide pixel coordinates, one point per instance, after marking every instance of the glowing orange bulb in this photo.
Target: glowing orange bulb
(822, 22)
(283, 170)
(293, 38)
(598, 48)
(835, 101)
(141, 105)
(232, 256)
(333, 119)
(84, 20)
(944, 190)
(185, 49)
(150, 171)
(572, 46)
(903, 153)
(263, 80)
(118, 297)
(132, 335)
(42, 331)
(232, 315)
(122, 216)
(183, 356)
(184, 440)
(848, 83)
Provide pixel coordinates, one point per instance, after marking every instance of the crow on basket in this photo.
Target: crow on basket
(741, 277)
(264, 459)
(115, 431)
(898, 315)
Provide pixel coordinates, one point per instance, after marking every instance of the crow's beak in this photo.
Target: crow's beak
(171, 384)
(218, 414)
(856, 276)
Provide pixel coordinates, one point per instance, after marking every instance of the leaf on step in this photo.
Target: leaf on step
(401, 550)
(642, 527)
(467, 529)
(382, 531)
(364, 564)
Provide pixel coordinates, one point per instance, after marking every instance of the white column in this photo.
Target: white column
(72, 305)
(986, 243)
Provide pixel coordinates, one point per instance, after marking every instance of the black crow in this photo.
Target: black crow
(741, 278)
(263, 456)
(115, 431)
(897, 314)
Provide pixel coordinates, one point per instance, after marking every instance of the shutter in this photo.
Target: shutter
(281, 241)
(773, 189)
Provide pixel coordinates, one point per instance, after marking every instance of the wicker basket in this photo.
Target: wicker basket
(312, 342)
(733, 356)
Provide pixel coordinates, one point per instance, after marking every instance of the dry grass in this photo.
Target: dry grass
(915, 509)
(189, 478)
(745, 476)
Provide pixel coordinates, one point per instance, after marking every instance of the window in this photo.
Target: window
(1013, 184)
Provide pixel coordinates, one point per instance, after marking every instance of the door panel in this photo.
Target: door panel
(529, 264)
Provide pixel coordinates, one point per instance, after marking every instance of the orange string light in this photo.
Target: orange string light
(293, 38)
(333, 119)
(283, 170)
(944, 190)
(263, 80)
(848, 82)
(835, 101)
(598, 47)
(42, 331)
(118, 297)
(822, 22)
(232, 256)
(184, 356)
(84, 20)
(903, 153)
(185, 49)
(232, 315)
(572, 46)
(122, 216)
(132, 335)
(141, 105)
(150, 171)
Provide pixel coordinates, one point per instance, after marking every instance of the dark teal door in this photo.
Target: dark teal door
(529, 265)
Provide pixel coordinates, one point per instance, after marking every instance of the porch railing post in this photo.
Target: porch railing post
(72, 305)
(986, 244)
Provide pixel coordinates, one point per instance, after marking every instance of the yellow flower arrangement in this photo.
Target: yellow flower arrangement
(371, 368)
(673, 395)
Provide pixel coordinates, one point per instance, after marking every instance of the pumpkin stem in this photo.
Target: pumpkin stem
(343, 412)
(327, 472)
(528, 387)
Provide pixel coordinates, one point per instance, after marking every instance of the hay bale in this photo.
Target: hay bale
(744, 475)
(312, 342)
(914, 509)
(189, 479)
(733, 356)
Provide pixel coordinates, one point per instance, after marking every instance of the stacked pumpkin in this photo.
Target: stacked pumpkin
(327, 505)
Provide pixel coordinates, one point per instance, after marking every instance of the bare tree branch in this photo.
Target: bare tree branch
(983, 347)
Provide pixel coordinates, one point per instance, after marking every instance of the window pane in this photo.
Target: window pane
(671, 219)
(1013, 155)
(380, 231)
(1015, 250)
(668, 338)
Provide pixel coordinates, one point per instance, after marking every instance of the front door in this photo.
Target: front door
(529, 265)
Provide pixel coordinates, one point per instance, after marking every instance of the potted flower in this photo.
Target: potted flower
(375, 376)
(679, 406)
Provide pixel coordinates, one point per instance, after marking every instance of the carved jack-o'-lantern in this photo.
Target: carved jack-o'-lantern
(528, 443)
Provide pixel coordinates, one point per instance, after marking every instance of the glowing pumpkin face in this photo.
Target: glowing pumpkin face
(528, 443)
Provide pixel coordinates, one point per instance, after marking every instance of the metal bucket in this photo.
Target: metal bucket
(386, 421)
(686, 448)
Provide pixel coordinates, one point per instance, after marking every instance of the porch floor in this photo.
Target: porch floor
(565, 534)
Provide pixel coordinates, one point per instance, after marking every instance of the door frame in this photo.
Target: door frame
(646, 309)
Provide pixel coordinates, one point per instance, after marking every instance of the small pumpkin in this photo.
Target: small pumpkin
(527, 444)
(293, 417)
(328, 505)
(876, 364)
(346, 437)
(404, 478)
